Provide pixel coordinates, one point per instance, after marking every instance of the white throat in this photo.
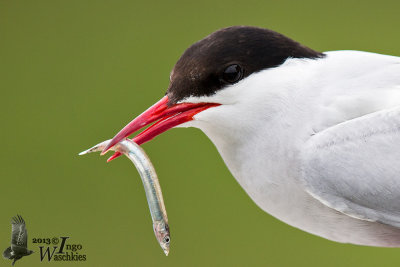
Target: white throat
(253, 129)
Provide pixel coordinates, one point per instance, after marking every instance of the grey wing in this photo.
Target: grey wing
(19, 235)
(354, 167)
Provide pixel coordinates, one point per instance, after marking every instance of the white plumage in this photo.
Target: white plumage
(316, 143)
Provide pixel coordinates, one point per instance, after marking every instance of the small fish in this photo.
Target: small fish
(151, 186)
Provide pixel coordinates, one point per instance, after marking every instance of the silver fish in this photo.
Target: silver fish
(151, 186)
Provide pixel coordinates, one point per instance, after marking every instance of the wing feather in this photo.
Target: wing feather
(19, 234)
(354, 167)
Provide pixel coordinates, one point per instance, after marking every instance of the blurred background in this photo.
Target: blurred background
(73, 73)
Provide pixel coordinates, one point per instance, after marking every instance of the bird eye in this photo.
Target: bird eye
(166, 239)
(232, 73)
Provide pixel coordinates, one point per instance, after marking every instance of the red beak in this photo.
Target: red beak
(166, 117)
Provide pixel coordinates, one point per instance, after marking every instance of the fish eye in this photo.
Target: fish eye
(166, 239)
(232, 73)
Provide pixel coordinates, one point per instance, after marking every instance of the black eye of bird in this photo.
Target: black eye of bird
(166, 239)
(232, 73)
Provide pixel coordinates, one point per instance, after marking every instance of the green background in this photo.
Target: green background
(72, 73)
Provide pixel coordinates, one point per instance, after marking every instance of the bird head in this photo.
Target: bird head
(216, 80)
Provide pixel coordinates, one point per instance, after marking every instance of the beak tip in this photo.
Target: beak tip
(105, 150)
(113, 157)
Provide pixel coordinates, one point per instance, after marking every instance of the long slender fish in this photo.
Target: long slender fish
(151, 186)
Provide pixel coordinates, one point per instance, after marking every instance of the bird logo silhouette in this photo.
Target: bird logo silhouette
(19, 241)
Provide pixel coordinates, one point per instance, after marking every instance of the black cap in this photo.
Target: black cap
(200, 70)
